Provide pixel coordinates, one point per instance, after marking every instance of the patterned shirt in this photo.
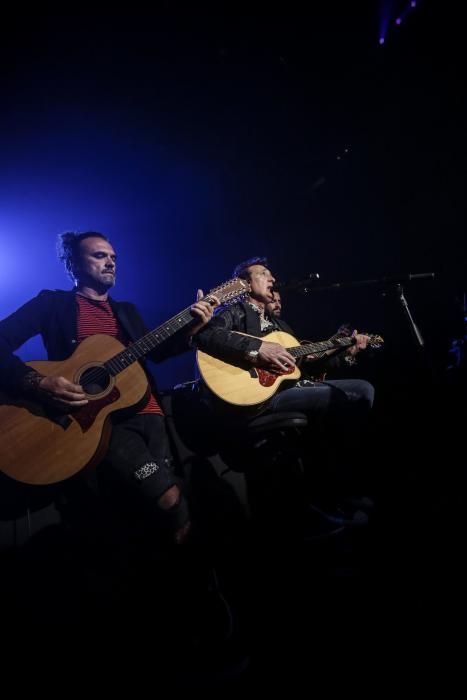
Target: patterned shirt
(267, 323)
(96, 316)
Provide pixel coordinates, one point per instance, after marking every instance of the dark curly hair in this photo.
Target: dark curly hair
(68, 245)
(241, 270)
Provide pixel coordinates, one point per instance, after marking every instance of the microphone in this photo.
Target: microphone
(294, 284)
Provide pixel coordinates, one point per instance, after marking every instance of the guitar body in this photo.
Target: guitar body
(245, 386)
(40, 446)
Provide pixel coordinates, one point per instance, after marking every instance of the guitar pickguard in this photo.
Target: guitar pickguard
(86, 415)
(268, 378)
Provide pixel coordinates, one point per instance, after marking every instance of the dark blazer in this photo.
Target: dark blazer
(217, 338)
(53, 316)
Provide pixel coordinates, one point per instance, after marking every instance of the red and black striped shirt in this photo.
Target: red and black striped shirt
(97, 317)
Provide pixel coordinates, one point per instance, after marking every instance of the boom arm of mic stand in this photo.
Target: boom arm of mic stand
(383, 281)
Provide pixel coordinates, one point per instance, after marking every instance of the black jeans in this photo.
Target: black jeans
(139, 447)
(138, 468)
(349, 396)
(334, 445)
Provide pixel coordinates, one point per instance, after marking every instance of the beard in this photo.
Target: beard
(107, 280)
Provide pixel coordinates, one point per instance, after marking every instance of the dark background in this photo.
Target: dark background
(196, 136)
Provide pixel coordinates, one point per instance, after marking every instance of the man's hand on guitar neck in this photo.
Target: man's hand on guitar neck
(361, 339)
(274, 357)
(361, 342)
(203, 310)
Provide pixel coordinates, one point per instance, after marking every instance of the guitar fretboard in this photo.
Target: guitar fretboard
(321, 346)
(150, 341)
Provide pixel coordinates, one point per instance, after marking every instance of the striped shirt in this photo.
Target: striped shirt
(97, 317)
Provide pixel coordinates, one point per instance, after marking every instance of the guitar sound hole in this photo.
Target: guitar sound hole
(95, 380)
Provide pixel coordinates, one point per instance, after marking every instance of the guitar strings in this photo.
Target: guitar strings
(102, 372)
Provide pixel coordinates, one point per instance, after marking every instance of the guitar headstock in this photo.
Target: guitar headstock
(230, 292)
(343, 337)
(376, 342)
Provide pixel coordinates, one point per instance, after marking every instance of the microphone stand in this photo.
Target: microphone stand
(396, 282)
(413, 326)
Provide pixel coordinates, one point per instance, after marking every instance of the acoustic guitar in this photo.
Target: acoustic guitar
(42, 445)
(247, 385)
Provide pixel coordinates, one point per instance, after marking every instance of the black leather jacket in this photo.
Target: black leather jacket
(217, 338)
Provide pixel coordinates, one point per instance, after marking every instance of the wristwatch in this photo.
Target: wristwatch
(252, 355)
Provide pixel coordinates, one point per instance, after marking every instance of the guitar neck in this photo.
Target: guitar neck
(150, 341)
(321, 346)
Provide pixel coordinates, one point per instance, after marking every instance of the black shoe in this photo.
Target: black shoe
(364, 503)
(323, 524)
(214, 668)
(215, 654)
(212, 619)
(341, 516)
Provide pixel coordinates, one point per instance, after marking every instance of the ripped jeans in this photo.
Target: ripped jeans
(139, 457)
